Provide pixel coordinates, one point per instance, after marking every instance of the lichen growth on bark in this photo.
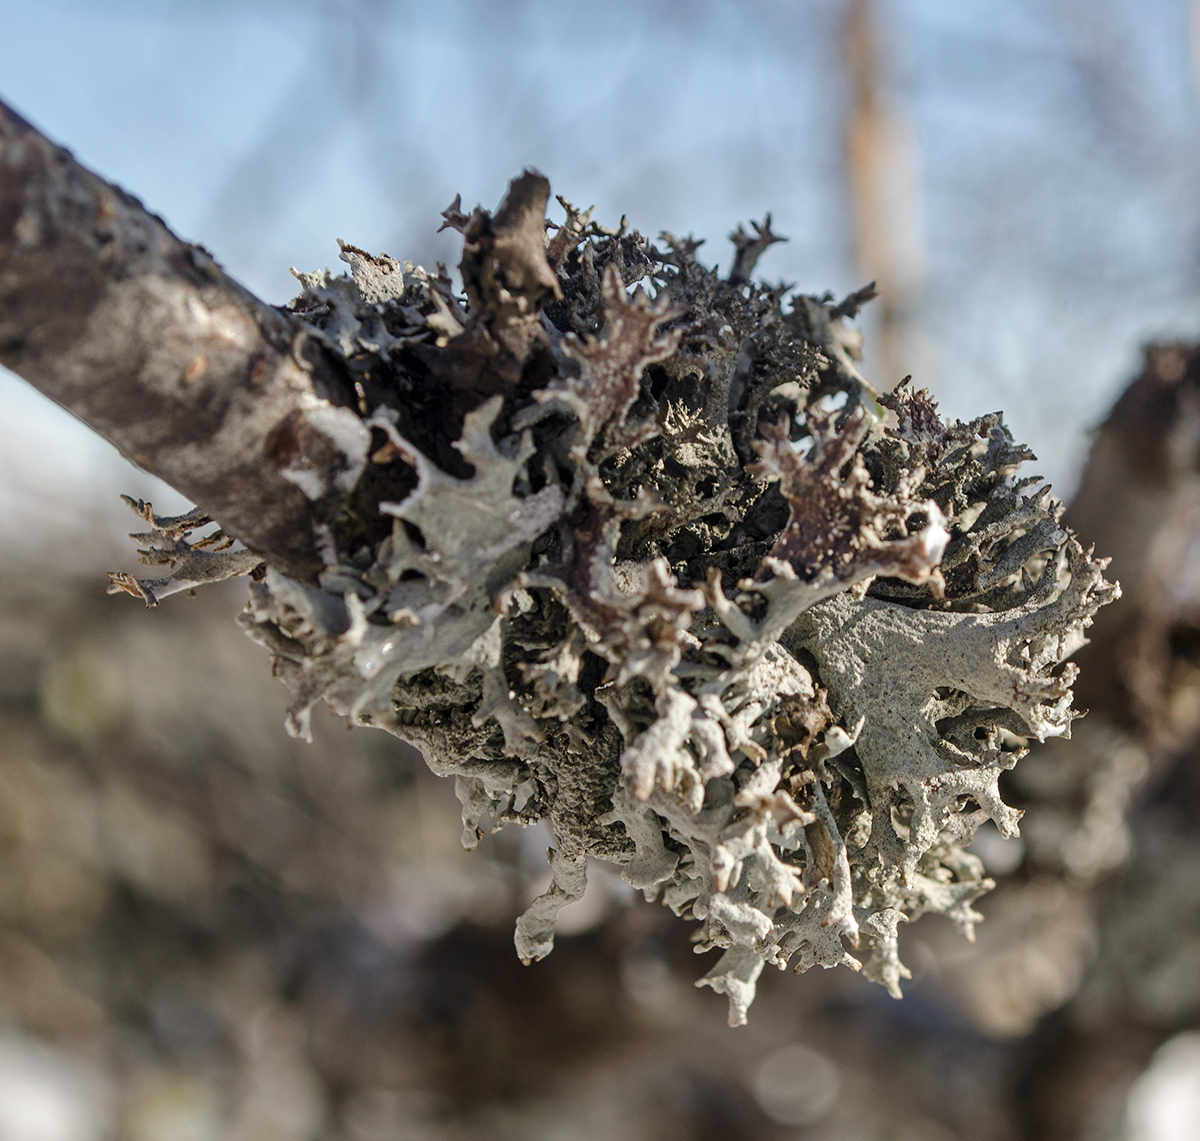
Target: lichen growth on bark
(655, 562)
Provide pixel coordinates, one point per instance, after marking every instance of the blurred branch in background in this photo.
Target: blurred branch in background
(1130, 780)
(882, 164)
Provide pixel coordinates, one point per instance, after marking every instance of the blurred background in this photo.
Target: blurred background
(210, 931)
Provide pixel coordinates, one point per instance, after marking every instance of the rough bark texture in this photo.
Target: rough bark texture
(145, 339)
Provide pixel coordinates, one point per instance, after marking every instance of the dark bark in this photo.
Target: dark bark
(148, 341)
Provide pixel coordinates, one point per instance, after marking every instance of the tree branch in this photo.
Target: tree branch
(146, 339)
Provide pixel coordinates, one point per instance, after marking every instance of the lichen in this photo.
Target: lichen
(192, 562)
(662, 568)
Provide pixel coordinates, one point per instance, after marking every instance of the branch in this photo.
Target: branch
(145, 339)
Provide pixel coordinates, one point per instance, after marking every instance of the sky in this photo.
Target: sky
(1055, 146)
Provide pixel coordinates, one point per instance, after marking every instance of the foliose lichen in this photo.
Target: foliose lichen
(656, 563)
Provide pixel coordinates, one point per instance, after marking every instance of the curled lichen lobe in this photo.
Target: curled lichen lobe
(835, 524)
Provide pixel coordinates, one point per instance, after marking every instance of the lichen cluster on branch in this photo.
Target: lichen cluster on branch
(663, 568)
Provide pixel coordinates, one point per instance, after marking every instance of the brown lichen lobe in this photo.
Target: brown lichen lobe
(657, 571)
